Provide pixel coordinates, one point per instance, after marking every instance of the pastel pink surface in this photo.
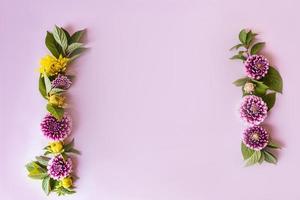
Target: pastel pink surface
(153, 102)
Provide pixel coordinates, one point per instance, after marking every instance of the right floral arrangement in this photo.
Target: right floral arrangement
(259, 89)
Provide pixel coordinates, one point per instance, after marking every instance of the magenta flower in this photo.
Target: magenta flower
(62, 82)
(256, 138)
(253, 110)
(59, 168)
(256, 66)
(54, 129)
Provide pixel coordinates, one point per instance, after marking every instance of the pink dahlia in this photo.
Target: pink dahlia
(256, 138)
(54, 129)
(256, 66)
(59, 168)
(253, 110)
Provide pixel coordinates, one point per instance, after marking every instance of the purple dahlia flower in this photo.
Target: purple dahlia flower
(62, 82)
(256, 138)
(54, 129)
(253, 110)
(59, 168)
(256, 66)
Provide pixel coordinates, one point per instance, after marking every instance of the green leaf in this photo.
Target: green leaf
(238, 57)
(72, 47)
(255, 157)
(36, 171)
(260, 88)
(76, 53)
(43, 160)
(241, 81)
(46, 185)
(57, 112)
(42, 87)
(68, 191)
(257, 47)
(246, 152)
(70, 145)
(273, 80)
(47, 83)
(262, 158)
(75, 151)
(243, 36)
(250, 38)
(56, 91)
(61, 38)
(270, 100)
(52, 45)
(235, 47)
(273, 145)
(269, 157)
(67, 35)
(77, 36)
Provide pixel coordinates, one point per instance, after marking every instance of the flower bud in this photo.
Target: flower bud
(249, 88)
(67, 182)
(56, 147)
(57, 100)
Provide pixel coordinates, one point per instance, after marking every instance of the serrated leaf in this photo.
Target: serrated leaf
(47, 83)
(257, 47)
(42, 87)
(235, 47)
(77, 36)
(57, 112)
(238, 57)
(52, 45)
(241, 81)
(243, 36)
(72, 47)
(46, 185)
(246, 152)
(273, 144)
(42, 160)
(61, 38)
(269, 157)
(273, 80)
(270, 100)
(255, 157)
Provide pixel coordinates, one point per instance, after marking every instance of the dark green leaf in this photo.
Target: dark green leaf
(235, 47)
(77, 36)
(75, 151)
(246, 152)
(52, 45)
(243, 36)
(42, 87)
(238, 57)
(57, 112)
(46, 185)
(273, 80)
(257, 47)
(76, 53)
(47, 83)
(69, 146)
(61, 38)
(273, 144)
(254, 158)
(250, 38)
(269, 157)
(262, 158)
(241, 81)
(72, 47)
(270, 100)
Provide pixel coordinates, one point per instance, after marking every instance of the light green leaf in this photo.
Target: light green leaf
(246, 152)
(273, 80)
(42, 87)
(270, 100)
(241, 81)
(61, 38)
(36, 171)
(47, 83)
(243, 36)
(257, 47)
(72, 47)
(76, 53)
(262, 158)
(52, 45)
(77, 36)
(43, 160)
(46, 185)
(235, 47)
(269, 157)
(67, 35)
(57, 112)
(254, 158)
(56, 91)
(260, 88)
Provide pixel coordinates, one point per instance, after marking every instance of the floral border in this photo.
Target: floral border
(55, 167)
(259, 89)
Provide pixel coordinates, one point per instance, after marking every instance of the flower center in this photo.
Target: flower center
(259, 65)
(255, 136)
(254, 109)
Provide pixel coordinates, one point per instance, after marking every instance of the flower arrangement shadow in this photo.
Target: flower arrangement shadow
(259, 89)
(55, 167)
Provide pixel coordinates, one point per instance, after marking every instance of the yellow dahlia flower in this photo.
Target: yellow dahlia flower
(56, 147)
(57, 100)
(52, 66)
(67, 182)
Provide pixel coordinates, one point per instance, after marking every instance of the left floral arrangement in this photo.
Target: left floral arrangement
(55, 167)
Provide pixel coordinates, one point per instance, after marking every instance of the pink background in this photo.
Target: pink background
(153, 103)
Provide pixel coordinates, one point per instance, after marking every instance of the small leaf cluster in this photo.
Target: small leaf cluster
(38, 170)
(266, 88)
